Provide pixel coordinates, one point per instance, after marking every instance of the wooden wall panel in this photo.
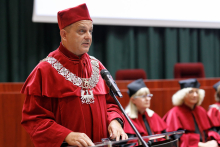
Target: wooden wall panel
(11, 87)
(11, 132)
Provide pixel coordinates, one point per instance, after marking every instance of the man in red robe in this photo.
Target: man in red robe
(188, 115)
(66, 98)
(214, 109)
(146, 121)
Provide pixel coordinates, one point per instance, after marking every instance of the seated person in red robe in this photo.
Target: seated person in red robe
(146, 121)
(66, 98)
(214, 109)
(188, 115)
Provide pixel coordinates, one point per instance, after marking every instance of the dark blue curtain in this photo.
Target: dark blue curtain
(24, 43)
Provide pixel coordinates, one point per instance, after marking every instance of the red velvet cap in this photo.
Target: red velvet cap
(71, 15)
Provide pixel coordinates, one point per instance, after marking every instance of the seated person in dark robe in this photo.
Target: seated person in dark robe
(144, 119)
(214, 109)
(190, 116)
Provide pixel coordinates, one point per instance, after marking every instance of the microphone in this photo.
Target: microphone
(110, 82)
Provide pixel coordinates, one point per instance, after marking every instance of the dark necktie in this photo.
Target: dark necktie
(197, 129)
(147, 125)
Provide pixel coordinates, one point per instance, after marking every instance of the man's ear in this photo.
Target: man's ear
(63, 34)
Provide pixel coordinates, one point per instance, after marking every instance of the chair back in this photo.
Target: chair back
(130, 74)
(189, 70)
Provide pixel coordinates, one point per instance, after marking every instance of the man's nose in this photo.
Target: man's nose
(88, 35)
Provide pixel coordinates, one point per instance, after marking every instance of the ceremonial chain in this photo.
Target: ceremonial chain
(86, 83)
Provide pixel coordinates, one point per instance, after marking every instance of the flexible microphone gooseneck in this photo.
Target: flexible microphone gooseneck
(110, 82)
(114, 90)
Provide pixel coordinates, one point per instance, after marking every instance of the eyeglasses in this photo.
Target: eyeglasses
(144, 96)
(192, 92)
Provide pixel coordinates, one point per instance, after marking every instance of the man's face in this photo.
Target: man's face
(79, 37)
(192, 97)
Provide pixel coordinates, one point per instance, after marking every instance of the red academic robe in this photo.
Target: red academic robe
(53, 106)
(214, 115)
(156, 124)
(180, 117)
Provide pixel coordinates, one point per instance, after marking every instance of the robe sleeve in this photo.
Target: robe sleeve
(39, 121)
(189, 140)
(214, 117)
(172, 120)
(113, 110)
(157, 124)
(213, 135)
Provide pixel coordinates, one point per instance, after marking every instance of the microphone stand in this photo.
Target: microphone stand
(128, 119)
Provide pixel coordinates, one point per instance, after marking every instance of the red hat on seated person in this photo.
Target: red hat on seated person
(71, 15)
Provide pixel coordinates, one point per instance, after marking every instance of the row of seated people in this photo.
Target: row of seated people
(201, 127)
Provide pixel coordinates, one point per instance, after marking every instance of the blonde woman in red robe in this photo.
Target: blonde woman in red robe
(188, 115)
(214, 109)
(144, 119)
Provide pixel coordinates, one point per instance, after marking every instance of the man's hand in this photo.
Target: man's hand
(115, 130)
(211, 143)
(78, 139)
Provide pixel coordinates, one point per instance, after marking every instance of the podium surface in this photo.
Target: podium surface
(134, 141)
